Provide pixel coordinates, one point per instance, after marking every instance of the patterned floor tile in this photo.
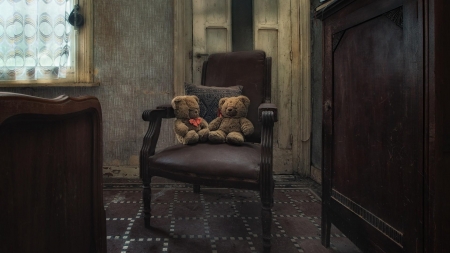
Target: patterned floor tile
(216, 219)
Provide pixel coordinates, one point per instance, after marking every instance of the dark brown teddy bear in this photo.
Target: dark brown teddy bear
(232, 125)
(189, 127)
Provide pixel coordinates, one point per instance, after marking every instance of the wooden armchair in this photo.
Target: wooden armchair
(246, 167)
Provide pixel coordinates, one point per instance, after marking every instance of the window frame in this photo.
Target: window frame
(84, 74)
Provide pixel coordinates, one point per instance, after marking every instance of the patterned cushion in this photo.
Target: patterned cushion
(209, 97)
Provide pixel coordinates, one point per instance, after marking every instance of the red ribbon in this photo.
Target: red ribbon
(196, 122)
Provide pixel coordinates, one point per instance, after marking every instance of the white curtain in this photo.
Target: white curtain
(34, 39)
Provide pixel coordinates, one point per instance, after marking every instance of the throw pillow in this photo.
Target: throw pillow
(209, 97)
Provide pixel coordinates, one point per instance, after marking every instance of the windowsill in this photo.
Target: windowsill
(55, 84)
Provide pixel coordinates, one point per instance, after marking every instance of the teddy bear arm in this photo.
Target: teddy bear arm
(247, 127)
(180, 128)
(204, 124)
(215, 124)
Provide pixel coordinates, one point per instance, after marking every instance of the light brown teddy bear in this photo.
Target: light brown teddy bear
(189, 127)
(232, 125)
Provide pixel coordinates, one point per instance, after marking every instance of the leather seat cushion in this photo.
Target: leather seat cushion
(210, 160)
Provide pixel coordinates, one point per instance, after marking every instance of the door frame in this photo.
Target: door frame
(300, 77)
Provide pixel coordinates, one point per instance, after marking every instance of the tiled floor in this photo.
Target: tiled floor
(216, 220)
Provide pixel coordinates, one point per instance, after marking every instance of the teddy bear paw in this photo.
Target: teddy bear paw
(191, 138)
(203, 135)
(235, 138)
(216, 137)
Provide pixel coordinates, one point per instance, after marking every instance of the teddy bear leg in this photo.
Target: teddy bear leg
(203, 135)
(191, 137)
(217, 136)
(235, 138)
(180, 138)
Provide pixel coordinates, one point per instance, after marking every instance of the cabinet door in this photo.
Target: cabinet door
(373, 125)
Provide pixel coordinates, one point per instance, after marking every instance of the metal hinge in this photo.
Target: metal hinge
(292, 55)
(291, 139)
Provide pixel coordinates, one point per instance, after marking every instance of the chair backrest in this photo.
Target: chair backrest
(251, 69)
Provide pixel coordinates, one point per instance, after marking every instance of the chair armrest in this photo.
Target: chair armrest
(268, 107)
(267, 117)
(167, 109)
(154, 118)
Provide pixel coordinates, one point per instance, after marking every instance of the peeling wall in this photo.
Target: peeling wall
(133, 60)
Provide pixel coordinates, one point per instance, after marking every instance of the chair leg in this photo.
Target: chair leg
(266, 220)
(147, 197)
(196, 188)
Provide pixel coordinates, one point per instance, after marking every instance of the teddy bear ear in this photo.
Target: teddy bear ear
(222, 101)
(244, 100)
(175, 101)
(196, 98)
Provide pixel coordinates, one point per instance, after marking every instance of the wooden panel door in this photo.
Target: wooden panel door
(211, 31)
(373, 125)
(272, 28)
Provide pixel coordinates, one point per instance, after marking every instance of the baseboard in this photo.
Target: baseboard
(316, 174)
(121, 171)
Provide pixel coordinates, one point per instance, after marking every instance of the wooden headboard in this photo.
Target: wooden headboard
(51, 174)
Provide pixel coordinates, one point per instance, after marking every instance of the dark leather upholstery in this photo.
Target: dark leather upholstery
(223, 165)
(210, 160)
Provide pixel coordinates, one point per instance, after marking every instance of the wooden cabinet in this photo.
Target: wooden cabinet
(386, 123)
(51, 183)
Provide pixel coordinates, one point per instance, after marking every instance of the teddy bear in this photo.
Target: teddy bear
(231, 125)
(189, 127)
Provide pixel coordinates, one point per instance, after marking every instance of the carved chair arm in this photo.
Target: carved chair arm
(268, 107)
(267, 117)
(154, 118)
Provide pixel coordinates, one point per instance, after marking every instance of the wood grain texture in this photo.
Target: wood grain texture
(273, 35)
(437, 40)
(301, 87)
(373, 129)
(385, 154)
(51, 188)
(211, 32)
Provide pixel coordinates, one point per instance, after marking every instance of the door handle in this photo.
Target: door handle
(199, 55)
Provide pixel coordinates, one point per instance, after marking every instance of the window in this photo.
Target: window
(39, 47)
